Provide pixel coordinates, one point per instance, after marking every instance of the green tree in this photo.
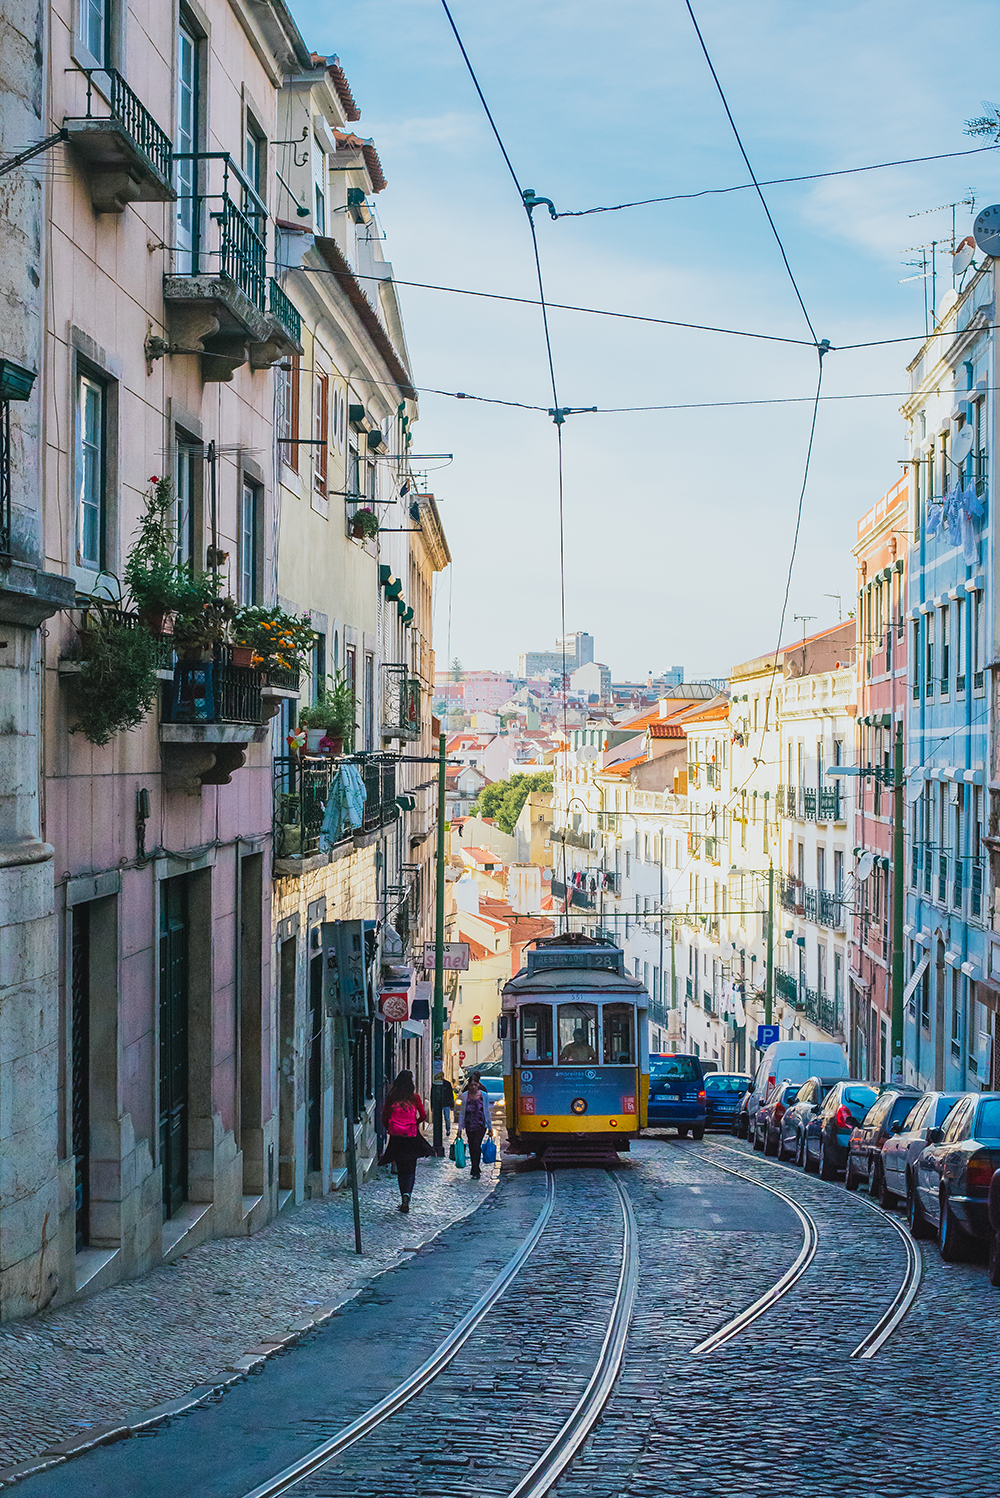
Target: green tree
(456, 670)
(503, 800)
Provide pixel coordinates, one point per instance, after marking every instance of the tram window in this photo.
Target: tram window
(536, 1035)
(578, 1034)
(618, 1031)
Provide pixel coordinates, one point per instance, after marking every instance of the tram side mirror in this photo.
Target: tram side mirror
(503, 1027)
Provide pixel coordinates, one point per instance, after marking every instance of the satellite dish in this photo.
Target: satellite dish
(986, 230)
(914, 790)
(865, 865)
(961, 444)
(962, 258)
(727, 950)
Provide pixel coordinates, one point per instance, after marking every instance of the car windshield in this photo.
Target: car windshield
(719, 1082)
(860, 1097)
(675, 1066)
(988, 1123)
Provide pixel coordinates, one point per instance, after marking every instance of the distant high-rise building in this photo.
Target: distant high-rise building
(673, 677)
(579, 648)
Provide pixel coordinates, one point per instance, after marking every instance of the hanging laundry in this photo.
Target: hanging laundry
(345, 808)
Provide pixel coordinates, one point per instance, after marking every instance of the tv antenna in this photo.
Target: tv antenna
(986, 124)
(969, 201)
(840, 609)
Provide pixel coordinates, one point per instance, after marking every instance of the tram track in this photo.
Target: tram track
(873, 1341)
(573, 1430)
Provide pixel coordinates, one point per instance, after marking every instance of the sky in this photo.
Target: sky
(678, 524)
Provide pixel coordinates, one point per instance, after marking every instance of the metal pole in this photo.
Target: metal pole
(769, 978)
(897, 907)
(659, 1019)
(437, 1025)
(347, 1051)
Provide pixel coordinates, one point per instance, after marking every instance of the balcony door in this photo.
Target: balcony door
(174, 1006)
(186, 171)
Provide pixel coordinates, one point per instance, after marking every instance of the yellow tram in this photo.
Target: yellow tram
(575, 1050)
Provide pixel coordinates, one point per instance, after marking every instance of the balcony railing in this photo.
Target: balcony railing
(571, 838)
(791, 896)
(128, 109)
(810, 804)
(401, 699)
(282, 310)
(786, 985)
(578, 897)
(236, 248)
(831, 910)
(214, 691)
(302, 790)
(821, 1009)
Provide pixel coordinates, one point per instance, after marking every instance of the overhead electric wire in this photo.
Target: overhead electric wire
(746, 158)
(705, 192)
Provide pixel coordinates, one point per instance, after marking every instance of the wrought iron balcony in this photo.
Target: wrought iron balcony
(128, 155)
(302, 790)
(831, 910)
(829, 805)
(572, 838)
(284, 312)
(215, 692)
(792, 896)
(786, 985)
(581, 898)
(401, 702)
(821, 1009)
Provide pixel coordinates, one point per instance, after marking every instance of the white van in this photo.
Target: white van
(796, 1061)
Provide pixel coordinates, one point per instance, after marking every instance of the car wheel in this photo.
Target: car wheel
(809, 1165)
(758, 1142)
(782, 1149)
(994, 1269)
(953, 1242)
(879, 1189)
(697, 1133)
(769, 1148)
(915, 1219)
(827, 1172)
(682, 1132)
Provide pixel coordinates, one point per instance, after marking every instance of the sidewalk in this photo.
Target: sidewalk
(209, 1318)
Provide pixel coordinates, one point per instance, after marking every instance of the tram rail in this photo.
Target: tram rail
(560, 1451)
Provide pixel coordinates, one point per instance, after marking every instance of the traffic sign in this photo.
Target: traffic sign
(461, 1055)
(768, 1034)
(476, 1019)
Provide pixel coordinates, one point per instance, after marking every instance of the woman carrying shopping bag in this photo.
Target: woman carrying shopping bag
(474, 1119)
(402, 1115)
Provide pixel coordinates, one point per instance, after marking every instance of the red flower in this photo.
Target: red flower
(154, 479)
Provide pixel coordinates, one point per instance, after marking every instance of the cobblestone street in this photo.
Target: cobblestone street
(782, 1407)
(113, 1357)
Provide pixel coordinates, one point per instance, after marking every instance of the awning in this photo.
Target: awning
(918, 973)
(413, 1027)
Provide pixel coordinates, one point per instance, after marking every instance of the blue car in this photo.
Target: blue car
(724, 1092)
(676, 1094)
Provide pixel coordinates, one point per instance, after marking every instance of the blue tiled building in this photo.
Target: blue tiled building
(950, 996)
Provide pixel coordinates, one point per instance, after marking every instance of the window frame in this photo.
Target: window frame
(321, 433)
(250, 540)
(87, 378)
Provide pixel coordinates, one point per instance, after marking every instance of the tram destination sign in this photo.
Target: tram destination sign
(456, 956)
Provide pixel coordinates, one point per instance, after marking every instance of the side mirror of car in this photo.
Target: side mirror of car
(897, 1127)
(933, 1136)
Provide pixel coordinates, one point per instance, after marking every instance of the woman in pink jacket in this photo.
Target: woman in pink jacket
(402, 1115)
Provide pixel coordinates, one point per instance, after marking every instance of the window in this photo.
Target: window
(288, 376)
(339, 418)
(95, 29)
(320, 211)
(944, 652)
(255, 156)
(577, 1034)
(188, 492)
(319, 667)
(188, 124)
(929, 653)
(915, 657)
(369, 702)
(960, 645)
(536, 1035)
(978, 648)
(619, 1047)
(249, 542)
(321, 431)
(91, 486)
(988, 1122)
(959, 1120)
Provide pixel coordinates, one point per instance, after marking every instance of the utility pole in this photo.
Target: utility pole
(897, 906)
(437, 1023)
(769, 977)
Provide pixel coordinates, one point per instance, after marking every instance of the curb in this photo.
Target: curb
(138, 1422)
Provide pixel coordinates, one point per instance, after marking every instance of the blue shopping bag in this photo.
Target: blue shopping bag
(460, 1153)
(489, 1152)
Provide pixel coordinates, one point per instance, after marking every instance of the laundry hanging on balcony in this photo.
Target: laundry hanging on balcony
(345, 806)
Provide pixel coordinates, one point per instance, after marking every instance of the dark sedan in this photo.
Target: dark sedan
(792, 1135)
(884, 1118)
(828, 1132)
(767, 1120)
(950, 1182)
(724, 1091)
(900, 1151)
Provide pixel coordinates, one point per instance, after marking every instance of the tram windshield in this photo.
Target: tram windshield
(577, 1034)
(618, 1032)
(536, 1035)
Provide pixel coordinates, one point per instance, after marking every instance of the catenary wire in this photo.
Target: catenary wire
(847, 171)
(746, 158)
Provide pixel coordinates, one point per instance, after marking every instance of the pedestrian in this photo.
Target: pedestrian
(474, 1118)
(443, 1097)
(402, 1115)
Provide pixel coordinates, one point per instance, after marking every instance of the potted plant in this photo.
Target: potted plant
(364, 525)
(203, 615)
(329, 723)
(151, 572)
(275, 639)
(117, 681)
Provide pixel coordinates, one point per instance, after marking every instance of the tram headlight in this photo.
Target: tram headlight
(578, 1105)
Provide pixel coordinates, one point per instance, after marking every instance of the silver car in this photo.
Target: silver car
(900, 1151)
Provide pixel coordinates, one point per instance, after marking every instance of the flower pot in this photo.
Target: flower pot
(357, 530)
(153, 617)
(242, 655)
(332, 744)
(313, 736)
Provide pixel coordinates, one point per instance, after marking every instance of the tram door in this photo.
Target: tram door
(315, 1064)
(80, 993)
(174, 1102)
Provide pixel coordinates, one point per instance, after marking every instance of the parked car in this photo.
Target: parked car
(795, 1061)
(676, 1094)
(490, 1079)
(828, 1132)
(903, 1146)
(792, 1135)
(767, 1119)
(951, 1177)
(886, 1116)
(724, 1092)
